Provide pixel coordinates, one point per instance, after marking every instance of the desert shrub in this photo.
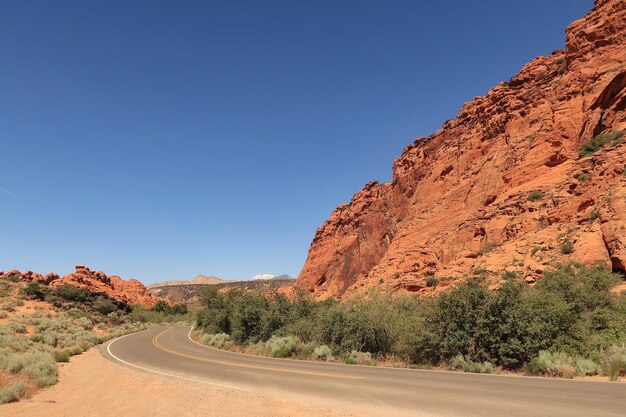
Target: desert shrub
(34, 291)
(282, 347)
(219, 340)
(487, 247)
(12, 278)
(567, 247)
(72, 293)
(359, 358)
(104, 307)
(599, 141)
(585, 176)
(585, 367)
(553, 364)
(12, 392)
(431, 281)
(62, 356)
(509, 275)
(594, 215)
(38, 365)
(323, 352)
(467, 365)
(614, 363)
(3, 314)
(8, 306)
(85, 323)
(18, 328)
(535, 196)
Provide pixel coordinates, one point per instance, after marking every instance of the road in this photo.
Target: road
(366, 390)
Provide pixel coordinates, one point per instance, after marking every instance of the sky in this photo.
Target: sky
(159, 140)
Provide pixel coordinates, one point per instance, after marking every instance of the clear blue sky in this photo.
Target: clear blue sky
(164, 139)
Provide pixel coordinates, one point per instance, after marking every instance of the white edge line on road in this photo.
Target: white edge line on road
(442, 371)
(168, 374)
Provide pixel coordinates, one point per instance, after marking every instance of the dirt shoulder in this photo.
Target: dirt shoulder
(91, 385)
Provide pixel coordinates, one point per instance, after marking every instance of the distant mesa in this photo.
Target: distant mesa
(198, 280)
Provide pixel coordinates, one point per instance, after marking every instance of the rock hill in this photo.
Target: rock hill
(529, 175)
(128, 291)
(198, 280)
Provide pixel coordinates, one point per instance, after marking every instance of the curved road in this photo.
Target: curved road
(366, 390)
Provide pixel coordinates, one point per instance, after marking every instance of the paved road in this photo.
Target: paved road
(367, 390)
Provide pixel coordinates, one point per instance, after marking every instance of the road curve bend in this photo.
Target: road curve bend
(366, 390)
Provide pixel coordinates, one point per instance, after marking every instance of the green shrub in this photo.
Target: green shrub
(509, 275)
(359, 358)
(584, 176)
(323, 352)
(486, 248)
(599, 141)
(567, 247)
(62, 356)
(594, 215)
(3, 314)
(282, 347)
(72, 293)
(34, 291)
(535, 196)
(12, 392)
(219, 340)
(12, 278)
(431, 281)
(467, 365)
(85, 323)
(615, 362)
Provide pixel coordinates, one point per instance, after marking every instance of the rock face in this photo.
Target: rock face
(502, 187)
(130, 291)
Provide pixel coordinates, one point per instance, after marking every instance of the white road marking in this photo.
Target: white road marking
(166, 373)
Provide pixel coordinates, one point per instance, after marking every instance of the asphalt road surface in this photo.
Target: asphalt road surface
(366, 390)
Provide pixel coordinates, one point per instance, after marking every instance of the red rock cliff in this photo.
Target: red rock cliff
(502, 186)
(130, 291)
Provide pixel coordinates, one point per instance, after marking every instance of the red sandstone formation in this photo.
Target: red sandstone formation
(130, 291)
(501, 187)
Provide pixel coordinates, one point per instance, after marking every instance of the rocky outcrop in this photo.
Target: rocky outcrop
(128, 291)
(500, 188)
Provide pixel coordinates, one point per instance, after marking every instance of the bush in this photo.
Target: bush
(3, 314)
(85, 323)
(486, 248)
(34, 291)
(12, 392)
(553, 364)
(323, 352)
(464, 363)
(359, 358)
(615, 362)
(509, 275)
(431, 281)
(219, 340)
(535, 196)
(567, 247)
(62, 356)
(599, 141)
(282, 347)
(72, 293)
(12, 278)
(585, 176)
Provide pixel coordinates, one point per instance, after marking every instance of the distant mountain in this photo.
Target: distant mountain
(198, 280)
(283, 277)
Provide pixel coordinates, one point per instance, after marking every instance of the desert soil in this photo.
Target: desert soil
(91, 385)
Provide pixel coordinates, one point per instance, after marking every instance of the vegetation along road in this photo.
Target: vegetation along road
(365, 390)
